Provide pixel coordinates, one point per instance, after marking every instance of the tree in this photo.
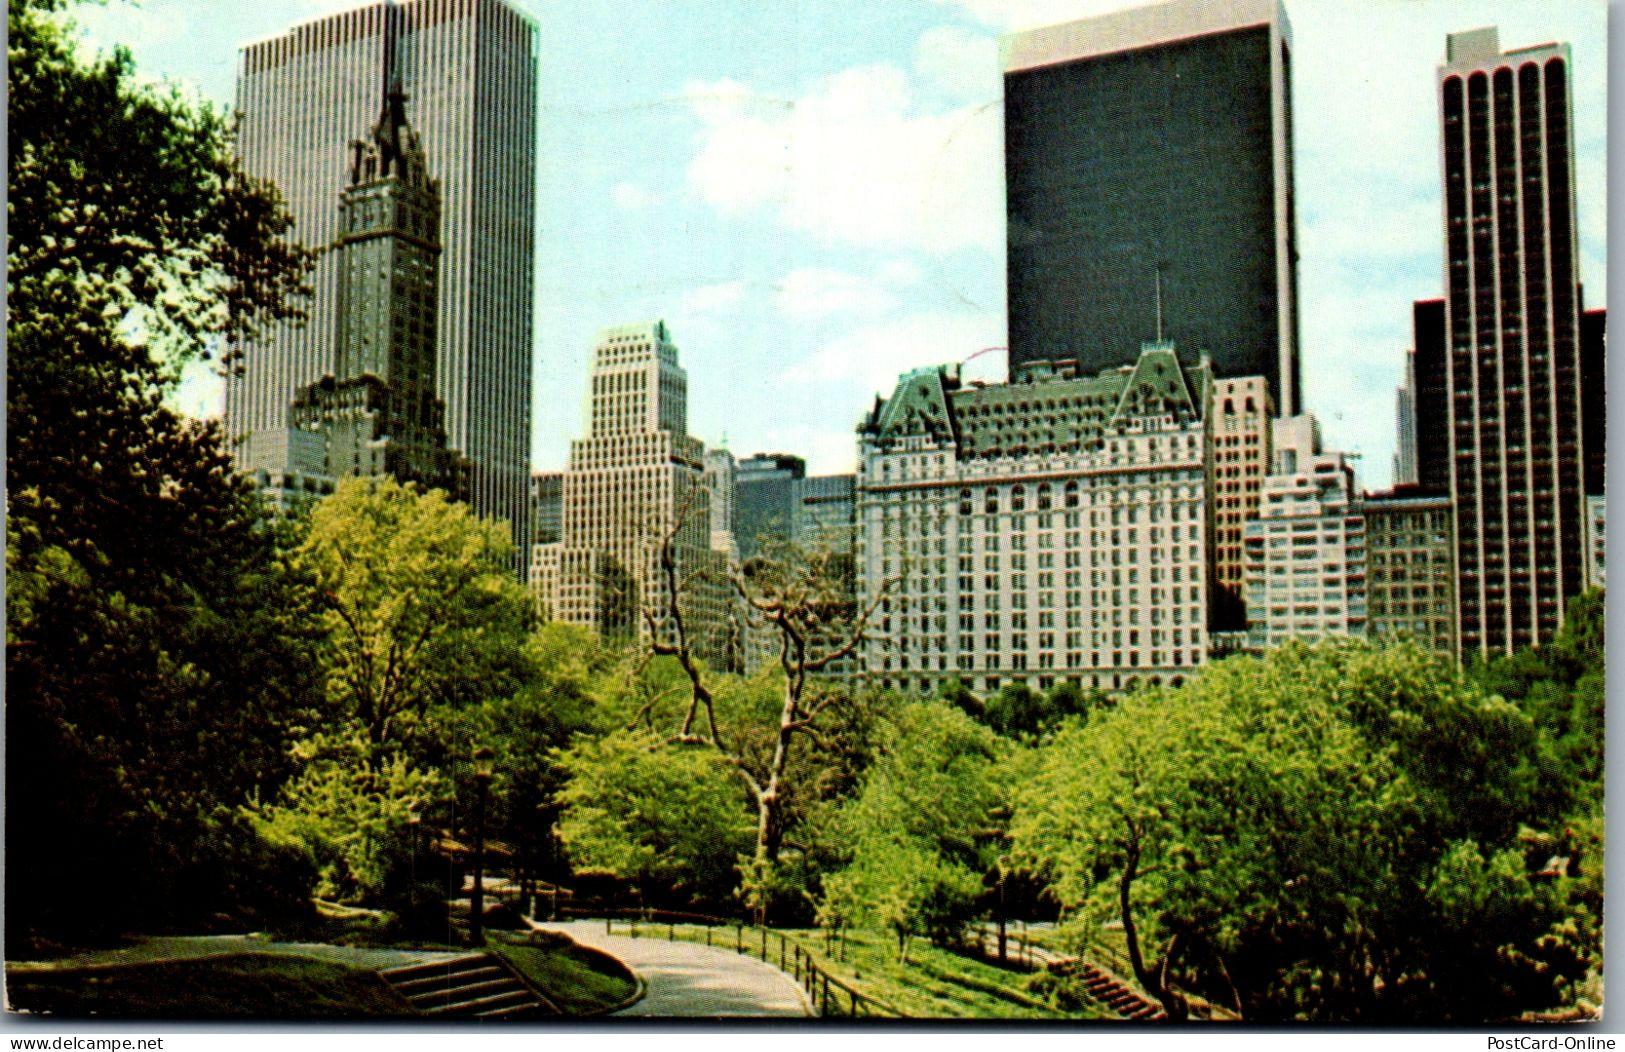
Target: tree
(419, 606)
(672, 821)
(914, 833)
(806, 601)
(1305, 837)
(419, 619)
(156, 666)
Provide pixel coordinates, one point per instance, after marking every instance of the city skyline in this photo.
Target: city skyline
(467, 69)
(833, 273)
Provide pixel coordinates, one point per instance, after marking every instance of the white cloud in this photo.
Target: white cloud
(961, 64)
(852, 162)
(816, 292)
(872, 357)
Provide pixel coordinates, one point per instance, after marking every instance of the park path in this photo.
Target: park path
(685, 979)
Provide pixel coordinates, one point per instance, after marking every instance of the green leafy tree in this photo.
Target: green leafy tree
(672, 821)
(1304, 837)
(420, 608)
(524, 734)
(915, 831)
(156, 664)
(419, 619)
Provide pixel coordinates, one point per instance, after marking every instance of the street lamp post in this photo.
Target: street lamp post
(476, 905)
(414, 822)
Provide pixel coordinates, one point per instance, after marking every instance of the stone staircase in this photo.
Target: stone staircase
(1116, 995)
(473, 986)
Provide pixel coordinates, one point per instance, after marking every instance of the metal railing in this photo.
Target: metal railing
(829, 996)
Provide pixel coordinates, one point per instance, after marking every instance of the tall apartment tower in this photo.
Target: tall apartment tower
(1512, 315)
(1239, 420)
(636, 478)
(1153, 147)
(378, 413)
(469, 67)
(1306, 551)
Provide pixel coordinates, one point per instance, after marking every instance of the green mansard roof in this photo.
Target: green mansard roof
(1046, 413)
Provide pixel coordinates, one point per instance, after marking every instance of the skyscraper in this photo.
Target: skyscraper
(1425, 373)
(1146, 148)
(1512, 315)
(377, 412)
(635, 480)
(765, 499)
(469, 67)
(1239, 421)
(1306, 551)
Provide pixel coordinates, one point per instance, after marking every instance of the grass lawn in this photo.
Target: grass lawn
(242, 986)
(934, 984)
(577, 979)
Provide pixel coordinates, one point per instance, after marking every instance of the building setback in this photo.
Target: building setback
(1512, 310)
(1049, 529)
(1410, 567)
(469, 67)
(636, 479)
(1153, 147)
(1306, 552)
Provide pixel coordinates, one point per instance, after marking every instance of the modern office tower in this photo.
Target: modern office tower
(377, 411)
(1306, 558)
(1597, 541)
(720, 473)
(825, 513)
(637, 479)
(1404, 466)
(547, 493)
(469, 70)
(1152, 148)
(1410, 567)
(1044, 530)
(1594, 399)
(1423, 457)
(765, 499)
(1239, 416)
(1512, 310)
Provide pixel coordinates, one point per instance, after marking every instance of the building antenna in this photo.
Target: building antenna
(1159, 302)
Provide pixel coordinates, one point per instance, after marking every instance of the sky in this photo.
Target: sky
(811, 192)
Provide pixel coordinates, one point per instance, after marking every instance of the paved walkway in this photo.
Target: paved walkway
(195, 947)
(689, 980)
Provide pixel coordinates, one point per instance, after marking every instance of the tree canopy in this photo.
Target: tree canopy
(1307, 836)
(156, 664)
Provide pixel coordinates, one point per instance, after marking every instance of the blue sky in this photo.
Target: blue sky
(810, 192)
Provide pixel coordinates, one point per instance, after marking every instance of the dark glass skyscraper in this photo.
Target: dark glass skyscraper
(1512, 315)
(469, 69)
(1430, 399)
(1148, 172)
